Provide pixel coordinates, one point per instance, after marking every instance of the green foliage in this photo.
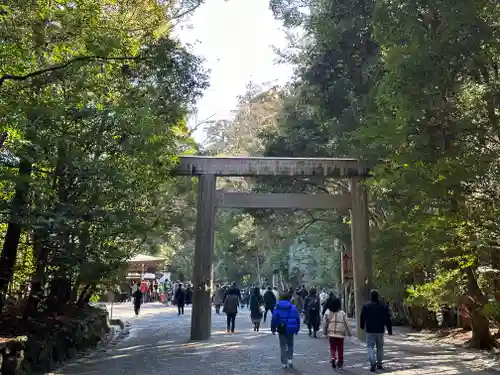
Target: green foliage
(95, 97)
(492, 310)
(442, 290)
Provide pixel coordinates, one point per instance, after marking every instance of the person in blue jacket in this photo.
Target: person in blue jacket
(286, 321)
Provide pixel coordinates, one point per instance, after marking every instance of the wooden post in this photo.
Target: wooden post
(347, 273)
(201, 319)
(361, 255)
(111, 298)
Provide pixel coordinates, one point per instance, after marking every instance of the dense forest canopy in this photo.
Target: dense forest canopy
(94, 99)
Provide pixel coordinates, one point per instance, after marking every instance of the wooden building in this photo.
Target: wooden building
(142, 264)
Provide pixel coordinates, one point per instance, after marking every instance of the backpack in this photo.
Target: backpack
(283, 326)
(230, 304)
(313, 304)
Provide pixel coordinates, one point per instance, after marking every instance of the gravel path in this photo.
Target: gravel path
(158, 344)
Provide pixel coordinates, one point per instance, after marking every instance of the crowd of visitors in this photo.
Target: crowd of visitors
(148, 288)
(316, 310)
(288, 310)
(180, 296)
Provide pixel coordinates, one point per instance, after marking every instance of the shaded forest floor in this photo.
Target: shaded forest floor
(452, 336)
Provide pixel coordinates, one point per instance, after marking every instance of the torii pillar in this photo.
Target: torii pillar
(361, 252)
(201, 318)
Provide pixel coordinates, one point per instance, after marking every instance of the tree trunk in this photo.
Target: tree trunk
(495, 264)
(75, 288)
(38, 279)
(481, 335)
(85, 295)
(82, 294)
(14, 227)
(259, 279)
(60, 288)
(60, 293)
(83, 240)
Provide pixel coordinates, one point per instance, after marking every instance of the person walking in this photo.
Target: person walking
(324, 308)
(312, 309)
(180, 299)
(225, 288)
(276, 294)
(231, 307)
(375, 317)
(218, 298)
(235, 289)
(269, 302)
(298, 301)
(143, 287)
(245, 297)
(189, 295)
(174, 292)
(323, 297)
(285, 321)
(137, 296)
(336, 327)
(256, 302)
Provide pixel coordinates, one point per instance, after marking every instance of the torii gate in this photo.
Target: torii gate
(208, 168)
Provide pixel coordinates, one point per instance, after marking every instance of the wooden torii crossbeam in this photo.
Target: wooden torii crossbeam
(209, 199)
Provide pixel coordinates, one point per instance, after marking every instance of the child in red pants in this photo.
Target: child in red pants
(336, 328)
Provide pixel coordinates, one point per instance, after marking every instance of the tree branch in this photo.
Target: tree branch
(315, 184)
(196, 126)
(13, 77)
(187, 11)
(313, 220)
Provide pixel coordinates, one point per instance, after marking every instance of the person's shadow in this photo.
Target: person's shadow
(293, 370)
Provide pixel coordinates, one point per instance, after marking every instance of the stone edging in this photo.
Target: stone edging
(12, 355)
(117, 331)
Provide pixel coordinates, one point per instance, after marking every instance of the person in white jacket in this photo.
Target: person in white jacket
(276, 294)
(336, 327)
(323, 296)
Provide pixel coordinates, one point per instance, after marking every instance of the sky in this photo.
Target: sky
(236, 38)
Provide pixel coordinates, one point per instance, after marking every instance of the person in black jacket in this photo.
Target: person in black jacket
(180, 299)
(312, 309)
(137, 295)
(189, 295)
(269, 302)
(375, 317)
(231, 302)
(234, 289)
(256, 302)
